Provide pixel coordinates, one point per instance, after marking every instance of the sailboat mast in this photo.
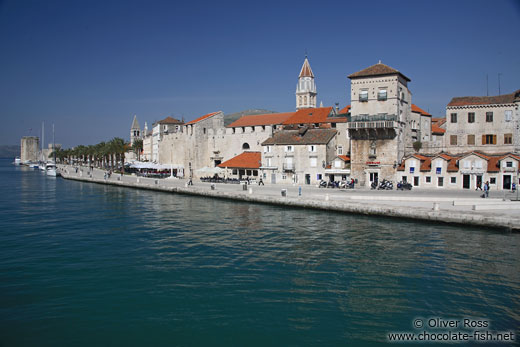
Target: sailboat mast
(53, 149)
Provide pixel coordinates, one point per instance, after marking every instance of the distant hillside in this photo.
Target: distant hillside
(230, 118)
(7, 151)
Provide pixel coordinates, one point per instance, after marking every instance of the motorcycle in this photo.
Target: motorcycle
(323, 184)
(386, 185)
(404, 186)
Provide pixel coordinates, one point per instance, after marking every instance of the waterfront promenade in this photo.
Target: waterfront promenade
(442, 206)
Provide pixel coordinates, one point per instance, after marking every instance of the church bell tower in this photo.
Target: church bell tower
(306, 88)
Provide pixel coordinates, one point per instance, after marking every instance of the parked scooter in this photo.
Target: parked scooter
(404, 186)
(323, 184)
(385, 185)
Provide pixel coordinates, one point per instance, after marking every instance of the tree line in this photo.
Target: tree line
(109, 154)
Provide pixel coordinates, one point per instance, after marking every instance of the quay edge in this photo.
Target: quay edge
(368, 208)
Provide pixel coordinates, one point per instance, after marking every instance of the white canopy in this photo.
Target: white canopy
(209, 170)
(153, 166)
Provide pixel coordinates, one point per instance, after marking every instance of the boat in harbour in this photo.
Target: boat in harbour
(51, 170)
(17, 161)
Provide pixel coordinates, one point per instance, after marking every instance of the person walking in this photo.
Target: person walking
(486, 189)
(261, 182)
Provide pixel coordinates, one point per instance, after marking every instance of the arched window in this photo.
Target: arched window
(245, 145)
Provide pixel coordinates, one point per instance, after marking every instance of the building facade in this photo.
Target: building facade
(486, 123)
(379, 126)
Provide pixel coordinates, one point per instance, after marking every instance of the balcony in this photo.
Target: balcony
(358, 125)
(288, 167)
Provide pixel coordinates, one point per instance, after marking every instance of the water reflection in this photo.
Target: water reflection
(129, 255)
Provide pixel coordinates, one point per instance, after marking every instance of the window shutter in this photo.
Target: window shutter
(483, 139)
(494, 139)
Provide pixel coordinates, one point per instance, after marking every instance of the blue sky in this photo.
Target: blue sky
(89, 66)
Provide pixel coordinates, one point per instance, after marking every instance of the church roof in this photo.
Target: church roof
(245, 160)
(135, 123)
(377, 70)
(261, 119)
(306, 70)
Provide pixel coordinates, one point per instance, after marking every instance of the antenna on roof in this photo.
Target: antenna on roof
(499, 83)
(487, 85)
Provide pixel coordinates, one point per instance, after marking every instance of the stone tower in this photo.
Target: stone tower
(380, 111)
(306, 88)
(135, 131)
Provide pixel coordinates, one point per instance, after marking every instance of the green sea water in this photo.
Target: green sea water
(91, 265)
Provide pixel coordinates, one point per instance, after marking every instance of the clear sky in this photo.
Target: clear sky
(89, 66)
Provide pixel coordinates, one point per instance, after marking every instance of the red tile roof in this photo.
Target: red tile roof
(436, 130)
(170, 120)
(202, 118)
(377, 70)
(344, 110)
(417, 109)
(261, 119)
(301, 137)
(246, 160)
(485, 100)
(310, 116)
(336, 120)
(439, 121)
(344, 157)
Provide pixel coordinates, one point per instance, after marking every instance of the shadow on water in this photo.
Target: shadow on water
(91, 264)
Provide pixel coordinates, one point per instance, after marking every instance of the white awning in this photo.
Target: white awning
(337, 172)
(153, 166)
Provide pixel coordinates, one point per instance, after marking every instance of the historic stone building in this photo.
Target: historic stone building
(485, 123)
(29, 149)
(298, 154)
(379, 127)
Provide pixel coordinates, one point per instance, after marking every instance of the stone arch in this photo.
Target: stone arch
(245, 145)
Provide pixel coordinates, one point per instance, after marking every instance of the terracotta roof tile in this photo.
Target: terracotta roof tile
(344, 157)
(344, 110)
(485, 100)
(336, 120)
(261, 119)
(301, 137)
(170, 120)
(245, 160)
(417, 109)
(202, 118)
(310, 116)
(436, 130)
(377, 70)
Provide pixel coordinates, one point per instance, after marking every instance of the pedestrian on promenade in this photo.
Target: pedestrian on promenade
(190, 182)
(261, 182)
(486, 189)
(513, 187)
(479, 185)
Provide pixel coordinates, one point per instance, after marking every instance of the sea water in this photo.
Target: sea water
(84, 264)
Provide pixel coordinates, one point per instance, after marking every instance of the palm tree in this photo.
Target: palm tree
(118, 149)
(137, 147)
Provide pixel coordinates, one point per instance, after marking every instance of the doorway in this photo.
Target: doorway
(466, 179)
(479, 181)
(307, 179)
(374, 177)
(506, 182)
(273, 178)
